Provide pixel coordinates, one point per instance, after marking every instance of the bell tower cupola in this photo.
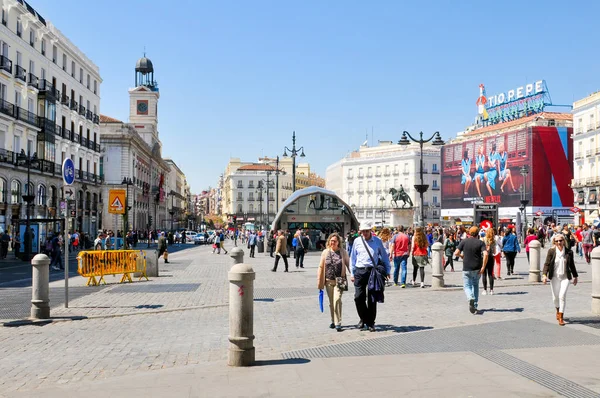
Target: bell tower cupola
(144, 74)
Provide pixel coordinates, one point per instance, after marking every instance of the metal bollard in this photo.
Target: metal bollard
(237, 255)
(241, 315)
(535, 255)
(437, 268)
(40, 290)
(596, 281)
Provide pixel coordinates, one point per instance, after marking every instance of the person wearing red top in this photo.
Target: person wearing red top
(530, 236)
(578, 240)
(399, 252)
(419, 252)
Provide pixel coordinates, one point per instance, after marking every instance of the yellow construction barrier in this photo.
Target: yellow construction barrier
(93, 264)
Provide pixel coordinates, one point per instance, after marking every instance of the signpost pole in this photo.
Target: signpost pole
(68, 174)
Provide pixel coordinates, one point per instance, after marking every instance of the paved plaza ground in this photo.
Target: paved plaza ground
(168, 337)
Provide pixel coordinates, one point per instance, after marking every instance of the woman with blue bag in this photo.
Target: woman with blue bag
(332, 276)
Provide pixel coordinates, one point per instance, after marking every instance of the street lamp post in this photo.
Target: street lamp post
(127, 182)
(29, 197)
(382, 200)
(293, 153)
(172, 212)
(524, 201)
(421, 188)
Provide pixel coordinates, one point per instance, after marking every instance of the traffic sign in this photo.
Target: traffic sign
(68, 171)
(68, 193)
(538, 213)
(116, 201)
(574, 209)
(63, 208)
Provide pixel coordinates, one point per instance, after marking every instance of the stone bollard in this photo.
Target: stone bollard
(596, 281)
(40, 290)
(237, 255)
(437, 268)
(535, 255)
(152, 263)
(241, 315)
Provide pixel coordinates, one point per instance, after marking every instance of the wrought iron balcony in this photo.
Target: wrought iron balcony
(435, 171)
(21, 73)
(48, 90)
(578, 155)
(89, 115)
(32, 80)
(73, 105)
(82, 110)
(96, 119)
(7, 108)
(26, 116)
(6, 64)
(64, 100)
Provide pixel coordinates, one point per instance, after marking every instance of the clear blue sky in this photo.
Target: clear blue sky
(236, 77)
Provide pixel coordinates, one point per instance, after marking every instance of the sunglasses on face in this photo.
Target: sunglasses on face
(559, 241)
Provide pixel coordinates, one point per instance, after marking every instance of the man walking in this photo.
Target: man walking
(281, 251)
(399, 250)
(252, 243)
(367, 253)
(474, 254)
(162, 247)
(301, 249)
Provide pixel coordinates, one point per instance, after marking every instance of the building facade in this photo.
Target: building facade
(586, 168)
(133, 151)
(365, 177)
(49, 109)
(178, 191)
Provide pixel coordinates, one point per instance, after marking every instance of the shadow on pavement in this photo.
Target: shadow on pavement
(291, 361)
(400, 329)
(510, 293)
(265, 300)
(41, 322)
(501, 310)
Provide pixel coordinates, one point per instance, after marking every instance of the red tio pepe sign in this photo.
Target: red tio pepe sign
(575, 209)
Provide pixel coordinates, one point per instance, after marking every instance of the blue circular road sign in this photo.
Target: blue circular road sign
(68, 170)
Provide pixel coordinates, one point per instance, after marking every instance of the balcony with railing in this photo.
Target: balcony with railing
(387, 174)
(7, 108)
(405, 172)
(65, 100)
(89, 115)
(578, 155)
(26, 116)
(73, 105)
(435, 188)
(360, 176)
(396, 172)
(84, 142)
(82, 110)
(96, 119)
(425, 171)
(369, 175)
(21, 73)
(377, 174)
(32, 80)
(436, 171)
(6, 64)
(47, 90)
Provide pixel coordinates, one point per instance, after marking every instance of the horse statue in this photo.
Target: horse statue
(400, 195)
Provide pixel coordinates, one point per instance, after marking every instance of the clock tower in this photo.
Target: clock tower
(143, 102)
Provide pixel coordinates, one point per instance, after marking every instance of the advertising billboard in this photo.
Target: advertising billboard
(487, 170)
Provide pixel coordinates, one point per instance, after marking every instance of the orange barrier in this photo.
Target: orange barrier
(93, 264)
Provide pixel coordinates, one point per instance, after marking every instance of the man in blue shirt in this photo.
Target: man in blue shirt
(361, 266)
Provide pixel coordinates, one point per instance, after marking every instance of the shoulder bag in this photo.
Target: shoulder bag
(340, 281)
(369, 253)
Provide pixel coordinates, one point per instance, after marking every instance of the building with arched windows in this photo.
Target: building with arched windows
(49, 106)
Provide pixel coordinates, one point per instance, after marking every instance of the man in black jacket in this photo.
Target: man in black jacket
(301, 249)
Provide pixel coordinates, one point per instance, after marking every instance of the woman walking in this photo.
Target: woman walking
(449, 248)
(333, 265)
(419, 253)
(510, 247)
(530, 236)
(498, 253)
(559, 268)
(487, 269)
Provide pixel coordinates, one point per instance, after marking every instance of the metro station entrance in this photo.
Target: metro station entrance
(317, 211)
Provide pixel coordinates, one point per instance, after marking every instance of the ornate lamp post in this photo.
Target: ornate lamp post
(524, 201)
(172, 211)
(28, 197)
(382, 200)
(421, 188)
(127, 182)
(293, 153)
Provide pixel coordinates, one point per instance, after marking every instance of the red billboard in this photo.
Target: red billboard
(488, 169)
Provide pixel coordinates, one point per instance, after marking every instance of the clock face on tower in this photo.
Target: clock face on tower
(142, 107)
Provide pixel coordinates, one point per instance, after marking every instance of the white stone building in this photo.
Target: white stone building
(133, 150)
(177, 190)
(49, 106)
(364, 177)
(586, 168)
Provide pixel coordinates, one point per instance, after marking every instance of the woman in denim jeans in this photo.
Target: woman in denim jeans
(510, 247)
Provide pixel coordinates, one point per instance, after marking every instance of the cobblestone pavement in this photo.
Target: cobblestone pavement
(181, 319)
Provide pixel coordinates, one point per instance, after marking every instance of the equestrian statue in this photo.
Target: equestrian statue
(400, 195)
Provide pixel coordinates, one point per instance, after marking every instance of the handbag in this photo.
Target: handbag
(340, 281)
